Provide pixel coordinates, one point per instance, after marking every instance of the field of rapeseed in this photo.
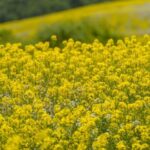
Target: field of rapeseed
(75, 97)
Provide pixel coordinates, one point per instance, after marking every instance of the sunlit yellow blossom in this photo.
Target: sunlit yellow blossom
(101, 142)
(121, 146)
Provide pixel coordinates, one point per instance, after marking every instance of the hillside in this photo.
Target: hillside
(128, 17)
(19, 9)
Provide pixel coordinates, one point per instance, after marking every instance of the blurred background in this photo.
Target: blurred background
(30, 21)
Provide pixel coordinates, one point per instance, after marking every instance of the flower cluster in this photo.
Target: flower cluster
(78, 96)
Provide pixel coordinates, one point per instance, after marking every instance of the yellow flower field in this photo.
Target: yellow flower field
(75, 97)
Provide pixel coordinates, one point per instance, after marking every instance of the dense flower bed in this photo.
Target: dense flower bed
(82, 96)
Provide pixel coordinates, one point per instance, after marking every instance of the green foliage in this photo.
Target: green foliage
(6, 35)
(83, 30)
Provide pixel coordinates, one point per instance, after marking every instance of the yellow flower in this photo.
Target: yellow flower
(81, 146)
(121, 145)
(13, 143)
(101, 141)
(54, 37)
